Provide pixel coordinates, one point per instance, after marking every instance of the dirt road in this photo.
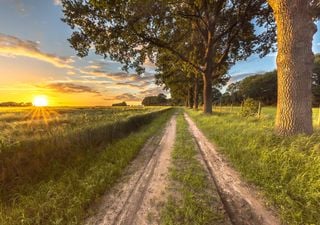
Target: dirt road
(139, 195)
(136, 197)
(241, 201)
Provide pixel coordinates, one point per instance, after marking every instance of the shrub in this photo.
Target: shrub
(250, 107)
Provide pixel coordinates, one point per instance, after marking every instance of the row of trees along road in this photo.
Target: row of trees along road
(204, 38)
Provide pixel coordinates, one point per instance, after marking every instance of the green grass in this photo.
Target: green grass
(65, 197)
(193, 200)
(40, 156)
(19, 124)
(287, 170)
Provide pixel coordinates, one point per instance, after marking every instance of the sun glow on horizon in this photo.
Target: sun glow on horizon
(40, 101)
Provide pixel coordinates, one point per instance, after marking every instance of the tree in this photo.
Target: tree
(120, 104)
(316, 81)
(222, 32)
(216, 95)
(260, 87)
(155, 100)
(295, 30)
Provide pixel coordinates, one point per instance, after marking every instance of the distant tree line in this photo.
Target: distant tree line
(158, 100)
(120, 104)
(15, 104)
(263, 88)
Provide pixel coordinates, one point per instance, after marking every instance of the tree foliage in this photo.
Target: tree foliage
(208, 36)
(155, 100)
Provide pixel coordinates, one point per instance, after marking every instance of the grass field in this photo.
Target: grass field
(52, 168)
(287, 170)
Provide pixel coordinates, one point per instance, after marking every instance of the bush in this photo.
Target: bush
(250, 107)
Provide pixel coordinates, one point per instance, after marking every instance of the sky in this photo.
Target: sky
(36, 59)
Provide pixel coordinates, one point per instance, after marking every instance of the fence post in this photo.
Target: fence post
(259, 110)
(231, 108)
(220, 106)
(319, 116)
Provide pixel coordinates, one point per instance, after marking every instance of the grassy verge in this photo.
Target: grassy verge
(35, 160)
(286, 169)
(193, 199)
(65, 200)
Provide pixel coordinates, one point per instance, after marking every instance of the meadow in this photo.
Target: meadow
(56, 161)
(286, 170)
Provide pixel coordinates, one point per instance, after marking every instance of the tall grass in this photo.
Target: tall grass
(37, 158)
(287, 170)
(64, 197)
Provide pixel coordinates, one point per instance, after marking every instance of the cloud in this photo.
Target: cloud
(71, 73)
(123, 79)
(152, 92)
(127, 97)
(13, 46)
(57, 2)
(240, 76)
(70, 88)
(97, 70)
(318, 44)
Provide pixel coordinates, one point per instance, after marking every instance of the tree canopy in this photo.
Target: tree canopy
(214, 33)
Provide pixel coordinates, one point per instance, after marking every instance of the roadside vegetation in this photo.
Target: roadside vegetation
(192, 196)
(36, 147)
(62, 192)
(287, 170)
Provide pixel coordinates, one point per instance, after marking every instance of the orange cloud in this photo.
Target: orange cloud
(13, 46)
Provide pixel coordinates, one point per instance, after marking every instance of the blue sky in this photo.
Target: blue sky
(35, 58)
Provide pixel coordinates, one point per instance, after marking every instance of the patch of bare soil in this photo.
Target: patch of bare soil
(241, 201)
(139, 194)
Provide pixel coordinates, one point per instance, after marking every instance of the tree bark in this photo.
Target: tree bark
(188, 98)
(196, 93)
(295, 30)
(190, 103)
(186, 101)
(207, 93)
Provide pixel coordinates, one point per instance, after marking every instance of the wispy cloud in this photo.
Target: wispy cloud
(122, 79)
(57, 2)
(13, 46)
(127, 97)
(70, 88)
(241, 76)
(152, 92)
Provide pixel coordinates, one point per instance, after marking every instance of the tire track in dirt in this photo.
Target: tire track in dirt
(241, 201)
(135, 199)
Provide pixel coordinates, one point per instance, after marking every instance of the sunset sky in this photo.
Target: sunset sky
(36, 59)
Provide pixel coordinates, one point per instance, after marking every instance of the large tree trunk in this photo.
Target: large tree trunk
(207, 93)
(190, 102)
(295, 30)
(196, 93)
(188, 98)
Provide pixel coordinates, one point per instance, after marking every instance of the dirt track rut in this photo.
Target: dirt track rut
(242, 203)
(139, 195)
(136, 197)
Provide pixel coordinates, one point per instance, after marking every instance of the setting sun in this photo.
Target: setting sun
(40, 100)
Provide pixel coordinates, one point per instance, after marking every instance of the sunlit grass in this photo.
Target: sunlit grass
(286, 169)
(65, 195)
(31, 152)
